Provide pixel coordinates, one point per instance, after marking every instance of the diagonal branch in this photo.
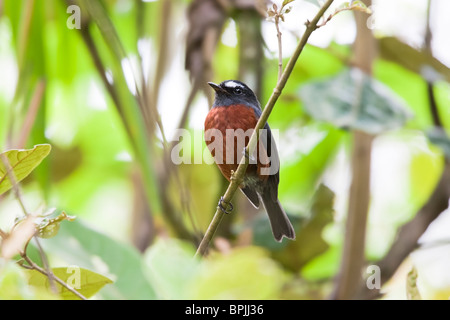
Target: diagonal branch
(34, 266)
(238, 176)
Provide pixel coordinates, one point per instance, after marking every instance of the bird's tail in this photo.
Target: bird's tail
(279, 221)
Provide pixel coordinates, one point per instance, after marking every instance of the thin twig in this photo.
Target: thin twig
(34, 266)
(187, 108)
(50, 275)
(238, 176)
(278, 15)
(162, 61)
(15, 186)
(354, 7)
(280, 48)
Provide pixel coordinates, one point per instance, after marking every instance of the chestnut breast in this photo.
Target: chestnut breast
(239, 120)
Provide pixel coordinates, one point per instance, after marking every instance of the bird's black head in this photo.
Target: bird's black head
(232, 92)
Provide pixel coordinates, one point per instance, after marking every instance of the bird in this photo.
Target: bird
(228, 127)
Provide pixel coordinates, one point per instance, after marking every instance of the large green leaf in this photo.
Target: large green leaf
(78, 244)
(300, 174)
(170, 267)
(408, 85)
(243, 273)
(22, 163)
(352, 99)
(86, 282)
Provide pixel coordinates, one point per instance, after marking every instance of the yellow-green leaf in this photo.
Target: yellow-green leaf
(21, 162)
(82, 280)
(286, 2)
(49, 227)
(412, 292)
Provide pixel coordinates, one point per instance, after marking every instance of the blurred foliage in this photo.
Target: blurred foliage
(98, 114)
(88, 284)
(332, 101)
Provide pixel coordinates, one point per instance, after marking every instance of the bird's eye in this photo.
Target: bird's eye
(238, 90)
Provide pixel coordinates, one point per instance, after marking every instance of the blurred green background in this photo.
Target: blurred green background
(110, 95)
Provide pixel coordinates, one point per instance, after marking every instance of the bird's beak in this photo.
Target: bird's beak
(217, 88)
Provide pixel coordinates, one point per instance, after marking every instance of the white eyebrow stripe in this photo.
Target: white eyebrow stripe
(232, 84)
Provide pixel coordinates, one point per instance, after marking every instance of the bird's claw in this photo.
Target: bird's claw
(227, 208)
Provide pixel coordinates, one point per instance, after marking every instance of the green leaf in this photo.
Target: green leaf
(300, 173)
(243, 273)
(324, 266)
(170, 267)
(353, 5)
(425, 170)
(48, 227)
(344, 5)
(91, 249)
(408, 85)
(412, 292)
(352, 99)
(86, 282)
(360, 6)
(22, 163)
(286, 2)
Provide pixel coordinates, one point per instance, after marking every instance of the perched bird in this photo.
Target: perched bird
(228, 127)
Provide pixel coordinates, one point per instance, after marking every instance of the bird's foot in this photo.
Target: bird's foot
(225, 207)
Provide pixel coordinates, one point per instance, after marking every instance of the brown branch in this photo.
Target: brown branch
(280, 47)
(353, 258)
(50, 275)
(251, 51)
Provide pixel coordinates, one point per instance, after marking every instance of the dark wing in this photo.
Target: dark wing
(251, 195)
(267, 141)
